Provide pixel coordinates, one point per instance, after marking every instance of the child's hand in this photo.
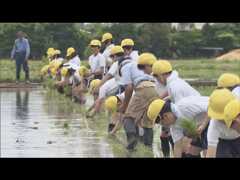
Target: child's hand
(200, 129)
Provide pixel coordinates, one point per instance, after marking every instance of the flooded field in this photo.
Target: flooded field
(32, 126)
(41, 123)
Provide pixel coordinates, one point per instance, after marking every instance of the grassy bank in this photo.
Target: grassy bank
(203, 69)
(8, 71)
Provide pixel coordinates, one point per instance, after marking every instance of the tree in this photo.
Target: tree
(155, 38)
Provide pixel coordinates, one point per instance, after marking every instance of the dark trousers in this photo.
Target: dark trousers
(20, 61)
(165, 145)
(228, 148)
(148, 137)
(132, 133)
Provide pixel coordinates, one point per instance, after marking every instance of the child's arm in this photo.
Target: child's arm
(118, 124)
(203, 125)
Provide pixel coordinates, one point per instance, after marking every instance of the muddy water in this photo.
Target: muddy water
(32, 127)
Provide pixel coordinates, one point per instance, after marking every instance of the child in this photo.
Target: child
(97, 61)
(93, 84)
(73, 57)
(223, 134)
(112, 104)
(231, 82)
(80, 84)
(170, 114)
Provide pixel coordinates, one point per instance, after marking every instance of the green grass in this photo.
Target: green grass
(200, 68)
(205, 68)
(205, 90)
(8, 71)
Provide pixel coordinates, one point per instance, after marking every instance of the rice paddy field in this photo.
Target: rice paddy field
(62, 124)
(201, 69)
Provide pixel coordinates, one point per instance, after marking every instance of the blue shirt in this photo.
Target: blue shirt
(21, 45)
(132, 75)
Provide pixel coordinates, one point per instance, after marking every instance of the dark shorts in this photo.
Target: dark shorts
(201, 142)
(228, 148)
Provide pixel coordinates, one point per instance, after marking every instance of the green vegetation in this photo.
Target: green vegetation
(161, 39)
(205, 90)
(189, 127)
(59, 104)
(205, 69)
(8, 71)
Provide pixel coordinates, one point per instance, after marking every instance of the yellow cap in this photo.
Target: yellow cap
(116, 49)
(106, 36)
(217, 102)
(227, 80)
(147, 59)
(161, 67)
(50, 52)
(94, 83)
(154, 109)
(44, 70)
(83, 71)
(111, 103)
(70, 51)
(56, 52)
(64, 71)
(231, 111)
(95, 42)
(127, 42)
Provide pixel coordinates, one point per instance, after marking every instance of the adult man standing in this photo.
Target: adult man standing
(21, 52)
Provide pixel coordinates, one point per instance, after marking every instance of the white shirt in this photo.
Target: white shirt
(134, 55)
(217, 129)
(109, 88)
(178, 88)
(160, 88)
(121, 96)
(236, 92)
(75, 60)
(76, 78)
(106, 54)
(192, 108)
(113, 71)
(132, 75)
(97, 62)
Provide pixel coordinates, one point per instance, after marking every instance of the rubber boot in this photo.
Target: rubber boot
(148, 137)
(131, 133)
(132, 141)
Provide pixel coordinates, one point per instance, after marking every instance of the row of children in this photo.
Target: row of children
(140, 91)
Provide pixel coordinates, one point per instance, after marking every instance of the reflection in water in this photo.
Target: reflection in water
(33, 125)
(22, 105)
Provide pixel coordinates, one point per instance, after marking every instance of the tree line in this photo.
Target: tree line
(162, 39)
